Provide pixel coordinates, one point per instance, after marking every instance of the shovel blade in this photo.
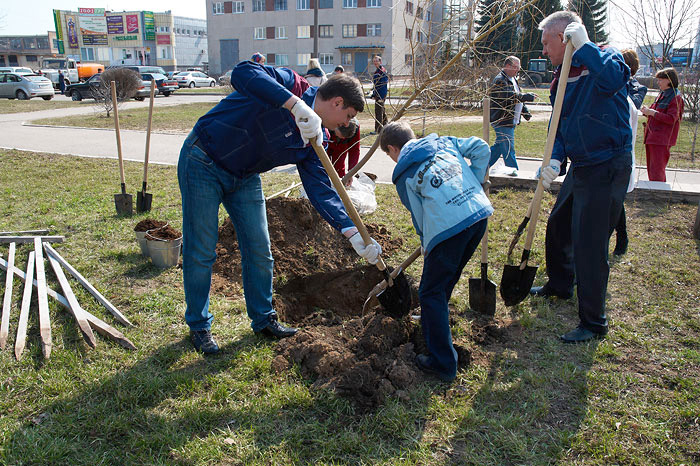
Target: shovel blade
(124, 204)
(143, 201)
(396, 299)
(516, 283)
(482, 296)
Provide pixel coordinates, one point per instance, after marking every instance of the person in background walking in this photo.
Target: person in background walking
(663, 122)
(380, 80)
(635, 93)
(507, 106)
(61, 82)
(314, 73)
(344, 144)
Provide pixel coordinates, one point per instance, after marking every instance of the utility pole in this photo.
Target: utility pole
(315, 54)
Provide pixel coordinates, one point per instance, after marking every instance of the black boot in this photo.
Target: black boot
(621, 244)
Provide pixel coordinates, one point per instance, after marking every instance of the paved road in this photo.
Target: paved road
(19, 133)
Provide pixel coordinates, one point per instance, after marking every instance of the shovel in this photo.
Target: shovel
(396, 299)
(123, 202)
(144, 199)
(379, 288)
(482, 291)
(517, 279)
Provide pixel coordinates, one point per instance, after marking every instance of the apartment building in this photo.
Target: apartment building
(350, 32)
(191, 48)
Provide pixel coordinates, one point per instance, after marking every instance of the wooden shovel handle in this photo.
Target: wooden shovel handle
(148, 132)
(551, 136)
(113, 86)
(352, 212)
(486, 121)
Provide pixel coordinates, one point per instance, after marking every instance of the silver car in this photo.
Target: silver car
(24, 87)
(194, 79)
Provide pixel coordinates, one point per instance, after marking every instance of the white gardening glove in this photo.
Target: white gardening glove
(370, 253)
(549, 173)
(308, 121)
(576, 32)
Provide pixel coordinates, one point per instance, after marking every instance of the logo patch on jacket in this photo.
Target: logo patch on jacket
(435, 181)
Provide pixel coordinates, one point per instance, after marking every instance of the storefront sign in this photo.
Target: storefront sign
(72, 32)
(163, 40)
(115, 25)
(95, 39)
(59, 30)
(93, 26)
(149, 26)
(132, 24)
(132, 37)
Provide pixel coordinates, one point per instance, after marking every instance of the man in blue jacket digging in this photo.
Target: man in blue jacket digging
(267, 122)
(449, 210)
(595, 135)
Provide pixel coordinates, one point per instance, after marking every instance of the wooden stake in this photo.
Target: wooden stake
(7, 300)
(696, 228)
(24, 312)
(83, 281)
(75, 308)
(30, 239)
(96, 323)
(44, 322)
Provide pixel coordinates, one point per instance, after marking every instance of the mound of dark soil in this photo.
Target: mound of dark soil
(165, 233)
(149, 224)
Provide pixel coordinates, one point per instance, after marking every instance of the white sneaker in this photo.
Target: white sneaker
(512, 172)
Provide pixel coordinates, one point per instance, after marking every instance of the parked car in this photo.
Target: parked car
(164, 85)
(194, 79)
(16, 70)
(171, 74)
(92, 89)
(24, 87)
(225, 79)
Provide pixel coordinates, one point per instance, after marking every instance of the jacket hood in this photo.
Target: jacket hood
(315, 72)
(415, 152)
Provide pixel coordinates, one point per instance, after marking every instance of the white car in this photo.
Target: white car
(21, 70)
(194, 79)
(24, 87)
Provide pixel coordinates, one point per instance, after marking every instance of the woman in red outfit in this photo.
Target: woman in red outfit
(345, 144)
(663, 122)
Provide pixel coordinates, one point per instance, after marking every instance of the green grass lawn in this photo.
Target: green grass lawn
(632, 398)
(33, 105)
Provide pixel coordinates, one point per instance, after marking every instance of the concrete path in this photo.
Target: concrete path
(19, 133)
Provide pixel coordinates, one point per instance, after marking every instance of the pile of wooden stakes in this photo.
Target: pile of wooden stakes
(35, 277)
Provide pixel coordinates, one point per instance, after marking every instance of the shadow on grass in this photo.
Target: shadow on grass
(172, 408)
(533, 397)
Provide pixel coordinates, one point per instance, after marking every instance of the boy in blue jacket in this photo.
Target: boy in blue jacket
(449, 210)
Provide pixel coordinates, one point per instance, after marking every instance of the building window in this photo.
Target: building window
(408, 58)
(281, 32)
(409, 33)
(281, 59)
(303, 4)
(427, 15)
(346, 58)
(258, 5)
(349, 30)
(303, 59)
(127, 54)
(103, 54)
(325, 31)
(88, 53)
(259, 33)
(325, 4)
(325, 58)
(303, 32)
(374, 29)
(419, 12)
(374, 3)
(164, 53)
(419, 37)
(280, 5)
(31, 58)
(238, 7)
(349, 3)
(218, 8)
(409, 8)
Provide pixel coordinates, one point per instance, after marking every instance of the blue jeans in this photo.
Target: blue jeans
(578, 233)
(504, 146)
(442, 269)
(203, 187)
